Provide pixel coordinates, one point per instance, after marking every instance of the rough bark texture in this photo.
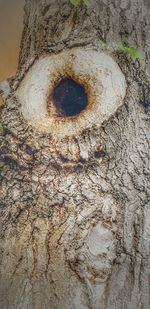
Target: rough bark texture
(75, 214)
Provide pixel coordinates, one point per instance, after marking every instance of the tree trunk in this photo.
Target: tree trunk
(75, 212)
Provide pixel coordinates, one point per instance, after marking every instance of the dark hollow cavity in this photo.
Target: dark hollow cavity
(69, 98)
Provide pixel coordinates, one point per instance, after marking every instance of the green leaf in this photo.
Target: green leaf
(75, 2)
(1, 128)
(134, 52)
(130, 49)
(87, 2)
(78, 2)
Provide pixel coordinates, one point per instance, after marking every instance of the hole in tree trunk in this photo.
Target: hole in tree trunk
(69, 98)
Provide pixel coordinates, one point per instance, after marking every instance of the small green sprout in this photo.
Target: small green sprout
(87, 2)
(1, 129)
(78, 2)
(75, 2)
(130, 49)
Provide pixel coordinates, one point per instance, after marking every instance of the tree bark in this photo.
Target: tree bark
(75, 210)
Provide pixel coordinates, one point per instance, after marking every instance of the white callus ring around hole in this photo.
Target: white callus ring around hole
(71, 91)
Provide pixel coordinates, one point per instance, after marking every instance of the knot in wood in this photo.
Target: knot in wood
(70, 93)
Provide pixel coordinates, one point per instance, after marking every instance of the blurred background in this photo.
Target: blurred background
(11, 25)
